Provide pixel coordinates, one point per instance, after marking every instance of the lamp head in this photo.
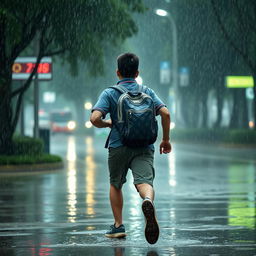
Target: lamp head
(161, 12)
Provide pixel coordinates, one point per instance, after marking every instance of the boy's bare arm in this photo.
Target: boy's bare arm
(165, 146)
(96, 120)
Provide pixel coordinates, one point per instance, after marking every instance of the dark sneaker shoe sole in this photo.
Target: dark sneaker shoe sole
(151, 228)
(116, 235)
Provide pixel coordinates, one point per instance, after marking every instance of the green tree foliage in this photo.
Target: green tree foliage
(236, 20)
(210, 59)
(202, 50)
(75, 29)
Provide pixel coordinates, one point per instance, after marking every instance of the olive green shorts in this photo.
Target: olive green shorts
(139, 160)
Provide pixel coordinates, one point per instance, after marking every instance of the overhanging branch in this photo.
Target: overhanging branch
(17, 110)
(229, 40)
(241, 14)
(27, 37)
(55, 52)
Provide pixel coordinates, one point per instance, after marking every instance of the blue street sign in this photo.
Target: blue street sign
(165, 72)
(184, 70)
(184, 76)
(165, 65)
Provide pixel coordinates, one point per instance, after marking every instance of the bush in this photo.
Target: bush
(27, 146)
(26, 159)
(242, 136)
(27, 150)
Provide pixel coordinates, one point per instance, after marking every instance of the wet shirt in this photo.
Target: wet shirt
(107, 103)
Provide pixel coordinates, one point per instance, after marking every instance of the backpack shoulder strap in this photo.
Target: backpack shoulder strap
(122, 90)
(119, 88)
(142, 88)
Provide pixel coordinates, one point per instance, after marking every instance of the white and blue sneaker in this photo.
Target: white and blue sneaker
(116, 232)
(151, 228)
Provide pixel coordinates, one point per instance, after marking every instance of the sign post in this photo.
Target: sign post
(21, 70)
(165, 72)
(184, 76)
(22, 126)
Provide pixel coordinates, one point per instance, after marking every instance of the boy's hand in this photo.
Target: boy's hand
(109, 123)
(165, 147)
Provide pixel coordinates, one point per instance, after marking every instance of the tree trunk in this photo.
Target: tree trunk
(220, 100)
(185, 98)
(204, 110)
(6, 129)
(234, 123)
(8, 113)
(239, 115)
(244, 111)
(194, 109)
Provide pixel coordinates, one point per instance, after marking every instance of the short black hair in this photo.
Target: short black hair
(128, 64)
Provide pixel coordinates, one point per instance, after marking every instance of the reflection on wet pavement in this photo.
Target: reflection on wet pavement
(90, 167)
(205, 205)
(71, 179)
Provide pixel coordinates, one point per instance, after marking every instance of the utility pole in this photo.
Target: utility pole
(22, 128)
(36, 94)
(164, 13)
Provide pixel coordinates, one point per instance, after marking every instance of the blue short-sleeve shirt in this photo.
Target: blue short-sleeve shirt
(107, 103)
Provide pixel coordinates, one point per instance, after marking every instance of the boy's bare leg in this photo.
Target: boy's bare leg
(146, 190)
(116, 200)
(151, 229)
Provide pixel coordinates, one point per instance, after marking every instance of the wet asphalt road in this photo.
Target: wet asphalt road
(205, 201)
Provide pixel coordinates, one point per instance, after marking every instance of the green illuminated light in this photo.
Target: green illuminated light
(241, 214)
(241, 210)
(239, 81)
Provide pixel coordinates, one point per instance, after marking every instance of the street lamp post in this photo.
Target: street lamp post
(164, 13)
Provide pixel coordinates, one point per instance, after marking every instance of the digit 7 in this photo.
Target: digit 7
(30, 67)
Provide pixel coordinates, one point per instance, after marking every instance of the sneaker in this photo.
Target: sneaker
(114, 232)
(151, 228)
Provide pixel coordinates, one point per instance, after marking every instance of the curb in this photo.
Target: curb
(30, 168)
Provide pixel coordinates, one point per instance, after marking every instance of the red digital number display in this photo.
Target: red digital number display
(43, 68)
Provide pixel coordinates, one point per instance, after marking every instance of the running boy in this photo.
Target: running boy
(121, 158)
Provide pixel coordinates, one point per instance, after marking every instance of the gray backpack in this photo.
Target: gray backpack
(136, 117)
